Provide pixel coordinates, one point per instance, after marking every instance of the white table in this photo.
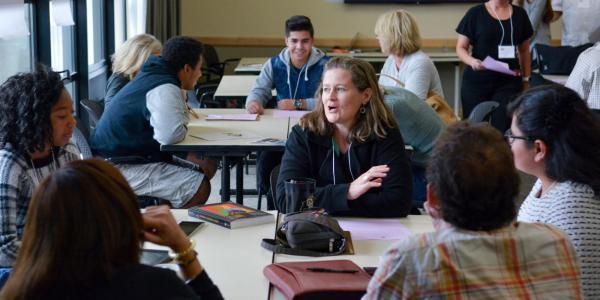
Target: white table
(560, 79)
(268, 126)
(233, 258)
(250, 65)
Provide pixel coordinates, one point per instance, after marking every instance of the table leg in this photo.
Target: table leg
(225, 186)
(239, 181)
(457, 89)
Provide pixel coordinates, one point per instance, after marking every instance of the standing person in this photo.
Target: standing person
(579, 19)
(500, 30)
(150, 111)
(541, 15)
(295, 74)
(477, 251)
(556, 138)
(36, 125)
(83, 240)
(350, 144)
(399, 38)
(128, 61)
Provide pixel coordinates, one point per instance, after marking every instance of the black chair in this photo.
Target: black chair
(213, 68)
(483, 111)
(82, 143)
(94, 111)
(273, 183)
(205, 93)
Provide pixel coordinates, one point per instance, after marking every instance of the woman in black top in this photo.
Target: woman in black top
(351, 145)
(83, 239)
(502, 31)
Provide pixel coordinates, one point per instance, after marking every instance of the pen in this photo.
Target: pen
(328, 270)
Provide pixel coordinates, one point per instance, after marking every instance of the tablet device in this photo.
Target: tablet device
(153, 257)
(189, 227)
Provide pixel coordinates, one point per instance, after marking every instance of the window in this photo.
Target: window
(95, 31)
(16, 53)
(62, 48)
(136, 17)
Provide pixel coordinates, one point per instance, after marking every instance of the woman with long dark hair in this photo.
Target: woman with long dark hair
(555, 137)
(83, 240)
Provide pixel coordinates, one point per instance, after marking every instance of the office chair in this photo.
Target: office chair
(94, 111)
(482, 112)
(213, 68)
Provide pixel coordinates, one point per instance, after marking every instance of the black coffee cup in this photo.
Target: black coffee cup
(299, 194)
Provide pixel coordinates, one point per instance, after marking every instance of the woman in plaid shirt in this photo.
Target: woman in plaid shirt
(36, 124)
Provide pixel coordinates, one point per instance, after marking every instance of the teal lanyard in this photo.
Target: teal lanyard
(335, 148)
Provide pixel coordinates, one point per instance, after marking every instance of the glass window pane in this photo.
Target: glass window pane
(16, 53)
(136, 17)
(62, 45)
(95, 30)
(120, 29)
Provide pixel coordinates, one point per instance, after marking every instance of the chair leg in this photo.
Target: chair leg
(259, 204)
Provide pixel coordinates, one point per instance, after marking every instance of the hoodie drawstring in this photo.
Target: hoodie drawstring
(305, 69)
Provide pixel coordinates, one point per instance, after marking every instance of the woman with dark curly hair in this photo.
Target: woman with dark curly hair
(36, 124)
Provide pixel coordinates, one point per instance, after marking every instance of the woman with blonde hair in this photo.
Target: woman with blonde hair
(398, 36)
(351, 145)
(128, 61)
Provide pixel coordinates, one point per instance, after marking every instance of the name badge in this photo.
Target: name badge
(506, 51)
(584, 4)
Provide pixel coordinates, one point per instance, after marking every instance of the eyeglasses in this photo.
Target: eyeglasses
(510, 138)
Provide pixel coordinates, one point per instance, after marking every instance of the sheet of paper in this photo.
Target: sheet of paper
(498, 66)
(232, 117)
(12, 19)
(281, 114)
(373, 229)
(62, 13)
(225, 136)
(270, 141)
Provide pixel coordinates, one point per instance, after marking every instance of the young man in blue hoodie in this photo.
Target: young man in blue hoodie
(149, 111)
(295, 74)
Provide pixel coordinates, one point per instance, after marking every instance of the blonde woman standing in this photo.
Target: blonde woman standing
(128, 60)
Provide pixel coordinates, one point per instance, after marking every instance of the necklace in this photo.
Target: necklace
(545, 191)
(38, 175)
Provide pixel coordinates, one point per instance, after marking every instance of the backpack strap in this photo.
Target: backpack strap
(272, 245)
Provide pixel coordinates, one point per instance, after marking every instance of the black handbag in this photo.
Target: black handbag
(308, 233)
(558, 60)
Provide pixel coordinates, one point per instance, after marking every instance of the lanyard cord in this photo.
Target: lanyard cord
(297, 81)
(512, 43)
(336, 152)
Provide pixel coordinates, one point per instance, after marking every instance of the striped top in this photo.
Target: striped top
(519, 261)
(573, 208)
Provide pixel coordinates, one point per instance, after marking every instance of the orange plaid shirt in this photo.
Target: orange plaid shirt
(520, 261)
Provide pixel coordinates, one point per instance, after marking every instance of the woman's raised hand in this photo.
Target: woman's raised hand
(370, 179)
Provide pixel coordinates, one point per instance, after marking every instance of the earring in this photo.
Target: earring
(363, 110)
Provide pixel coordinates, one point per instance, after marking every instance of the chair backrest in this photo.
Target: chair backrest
(482, 112)
(94, 111)
(205, 94)
(82, 143)
(273, 182)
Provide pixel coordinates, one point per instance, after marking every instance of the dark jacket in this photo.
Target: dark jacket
(124, 128)
(115, 83)
(143, 282)
(310, 155)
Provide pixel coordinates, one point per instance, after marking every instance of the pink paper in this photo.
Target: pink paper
(498, 66)
(232, 117)
(289, 113)
(373, 229)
